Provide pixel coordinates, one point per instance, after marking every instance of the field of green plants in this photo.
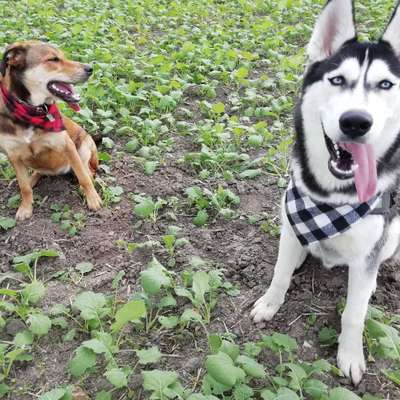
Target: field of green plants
(149, 298)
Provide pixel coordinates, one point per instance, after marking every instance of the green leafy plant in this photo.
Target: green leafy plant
(219, 202)
(68, 221)
(146, 208)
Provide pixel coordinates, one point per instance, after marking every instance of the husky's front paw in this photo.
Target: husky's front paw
(265, 308)
(351, 361)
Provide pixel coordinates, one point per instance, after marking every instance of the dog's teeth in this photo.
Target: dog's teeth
(354, 167)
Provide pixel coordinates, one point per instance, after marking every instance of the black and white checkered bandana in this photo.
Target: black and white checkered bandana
(313, 221)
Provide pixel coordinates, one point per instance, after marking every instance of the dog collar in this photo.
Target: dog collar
(46, 116)
(313, 221)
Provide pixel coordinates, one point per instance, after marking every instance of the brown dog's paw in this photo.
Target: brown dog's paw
(23, 213)
(94, 201)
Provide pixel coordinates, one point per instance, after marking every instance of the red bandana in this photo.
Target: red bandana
(46, 117)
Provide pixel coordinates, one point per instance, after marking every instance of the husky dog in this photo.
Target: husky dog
(346, 162)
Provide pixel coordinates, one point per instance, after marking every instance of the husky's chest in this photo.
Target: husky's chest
(356, 244)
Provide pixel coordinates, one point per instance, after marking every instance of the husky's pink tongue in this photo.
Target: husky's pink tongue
(365, 175)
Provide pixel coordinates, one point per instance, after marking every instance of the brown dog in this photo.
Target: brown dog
(33, 134)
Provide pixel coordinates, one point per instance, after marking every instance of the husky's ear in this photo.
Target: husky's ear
(334, 27)
(392, 32)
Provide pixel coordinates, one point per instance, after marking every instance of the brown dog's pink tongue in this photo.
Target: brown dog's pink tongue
(365, 175)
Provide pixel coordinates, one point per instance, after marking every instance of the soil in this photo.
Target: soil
(245, 252)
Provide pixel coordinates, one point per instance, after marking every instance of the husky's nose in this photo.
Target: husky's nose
(355, 123)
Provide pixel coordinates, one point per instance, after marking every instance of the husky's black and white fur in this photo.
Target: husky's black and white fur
(344, 77)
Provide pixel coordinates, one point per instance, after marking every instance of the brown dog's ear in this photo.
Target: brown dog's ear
(14, 56)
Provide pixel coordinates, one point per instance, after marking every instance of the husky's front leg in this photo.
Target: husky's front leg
(291, 256)
(362, 283)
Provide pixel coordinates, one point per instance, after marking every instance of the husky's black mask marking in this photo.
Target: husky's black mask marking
(379, 50)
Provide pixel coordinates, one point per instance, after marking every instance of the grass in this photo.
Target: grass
(210, 85)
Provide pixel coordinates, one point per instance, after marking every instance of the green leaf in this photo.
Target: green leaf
(39, 324)
(84, 267)
(154, 277)
(287, 394)
(24, 338)
(157, 381)
(58, 309)
(57, 394)
(96, 345)
(297, 375)
(315, 388)
(70, 335)
(321, 366)
(83, 360)
(107, 143)
(103, 395)
(251, 367)
(393, 375)
(200, 285)
(328, 336)
(168, 322)
(132, 311)
(167, 301)
(4, 389)
(117, 377)
(241, 73)
(145, 208)
(190, 315)
(7, 223)
(90, 304)
(266, 394)
(220, 366)
(34, 292)
(132, 146)
(215, 342)
(230, 348)
(242, 392)
(250, 173)
(30, 258)
(284, 341)
(255, 140)
(341, 393)
(218, 108)
(200, 396)
(149, 356)
(150, 167)
(201, 218)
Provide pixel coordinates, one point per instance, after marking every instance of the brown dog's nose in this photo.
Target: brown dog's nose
(88, 69)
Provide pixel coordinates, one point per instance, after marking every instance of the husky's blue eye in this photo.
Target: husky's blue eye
(385, 84)
(337, 80)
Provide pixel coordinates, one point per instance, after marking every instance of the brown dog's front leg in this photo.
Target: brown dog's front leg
(24, 182)
(92, 197)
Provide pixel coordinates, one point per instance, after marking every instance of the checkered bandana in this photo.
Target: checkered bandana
(313, 221)
(46, 117)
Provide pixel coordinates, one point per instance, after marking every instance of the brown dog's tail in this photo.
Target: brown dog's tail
(97, 138)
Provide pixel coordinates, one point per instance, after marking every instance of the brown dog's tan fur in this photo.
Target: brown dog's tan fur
(29, 148)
